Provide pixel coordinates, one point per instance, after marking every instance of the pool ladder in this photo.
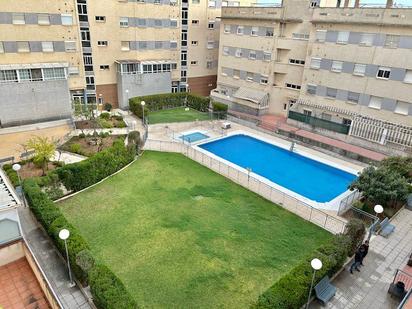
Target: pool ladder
(292, 146)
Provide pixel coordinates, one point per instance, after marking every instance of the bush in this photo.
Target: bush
(219, 107)
(82, 135)
(117, 117)
(168, 100)
(121, 124)
(108, 291)
(85, 260)
(83, 174)
(107, 107)
(76, 148)
(105, 116)
(11, 174)
(105, 124)
(355, 229)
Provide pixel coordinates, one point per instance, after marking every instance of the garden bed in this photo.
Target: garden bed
(85, 145)
(104, 121)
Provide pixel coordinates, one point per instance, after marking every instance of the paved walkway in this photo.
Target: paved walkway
(52, 265)
(369, 288)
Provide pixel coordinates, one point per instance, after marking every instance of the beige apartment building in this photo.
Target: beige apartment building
(55, 53)
(344, 71)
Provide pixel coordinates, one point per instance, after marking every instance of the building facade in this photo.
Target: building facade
(344, 71)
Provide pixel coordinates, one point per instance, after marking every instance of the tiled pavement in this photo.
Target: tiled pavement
(19, 288)
(52, 265)
(369, 288)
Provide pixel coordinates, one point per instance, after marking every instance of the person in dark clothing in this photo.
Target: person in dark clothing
(359, 255)
(365, 246)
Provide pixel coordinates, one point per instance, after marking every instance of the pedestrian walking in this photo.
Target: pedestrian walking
(358, 259)
(365, 246)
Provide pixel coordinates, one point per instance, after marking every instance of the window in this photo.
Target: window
(300, 36)
(375, 102)
(337, 66)
(343, 37)
(292, 86)
(249, 76)
(236, 73)
(209, 64)
(47, 47)
(43, 19)
(125, 45)
(353, 97)
(54, 74)
(67, 19)
(367, 39)
(104, 67)
(402, 108)
(359, 69)
(211, 3)
(269, 32)
(195, 21)
(392, 41)
(346, 121)
(311, 89)
(195, 43)
(307, 112)
(211, 24)
(173, 23)
(8, 76)
(238, 52)
(173, 44)
(70, 46)
(18, 19)
(193, 62)
(24, 75)
(267, 56)
(239, 30)
(1, 48)
(224, 3)
(254, 31)
(263, 80)
(315, 63)
(407, 79)
(320, 35)
(158, 44)
(210, 45)
(383, 73)
(296, 61)
(124, 22)
(252, 55)
(100, 19)
(73, 70)
(141, 22)
(102, 43)
(142, 45)
(23, 47)
(195, 1)
(331, 92)
(226, 29)
(225, 50)
(158, 22)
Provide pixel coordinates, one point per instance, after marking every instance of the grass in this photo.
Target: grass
(176, 115)
(181, 236)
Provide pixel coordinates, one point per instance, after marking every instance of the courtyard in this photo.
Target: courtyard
(184, 236)
(179, 114)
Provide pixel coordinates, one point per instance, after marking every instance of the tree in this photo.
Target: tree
(402, 165)
(44, 150)
(382, 185)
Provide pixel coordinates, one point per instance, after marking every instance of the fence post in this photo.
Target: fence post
(326, 220)
(310, 216)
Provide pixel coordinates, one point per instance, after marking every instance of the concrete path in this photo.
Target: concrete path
(52, 265)
(368, 289)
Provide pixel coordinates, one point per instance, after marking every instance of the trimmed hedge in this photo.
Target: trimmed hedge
(11, 174)
(291, 290)
(108, 291)
(168, 100)
(85, 173)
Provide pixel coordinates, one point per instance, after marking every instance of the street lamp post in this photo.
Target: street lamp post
(143, 103)
(316, 265)
(64, 235)
(378, 210)
(16, 167)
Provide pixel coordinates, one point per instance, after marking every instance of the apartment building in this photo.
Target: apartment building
(41, 65)
(344, 71)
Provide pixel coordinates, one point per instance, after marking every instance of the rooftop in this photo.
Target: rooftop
(8, 199)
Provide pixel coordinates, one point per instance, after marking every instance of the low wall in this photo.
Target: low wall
(11, 253)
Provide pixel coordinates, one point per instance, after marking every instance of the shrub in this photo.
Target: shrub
(219, 107)
(107, 107)
(117, 117)
(83, 174)
(105, 116)
(104, 134)
(11, 174)
(108, 291)
(82, 135)
(85, 260)
(121, 124)
(76, 148)
(105, 124)
(355, 229)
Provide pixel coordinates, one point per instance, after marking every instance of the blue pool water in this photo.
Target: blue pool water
(193, 137)
(312, 179)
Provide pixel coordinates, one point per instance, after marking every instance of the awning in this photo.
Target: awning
(252, 95)
(44, 65)
(9, 231)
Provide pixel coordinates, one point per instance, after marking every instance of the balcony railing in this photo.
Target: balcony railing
(319, 122)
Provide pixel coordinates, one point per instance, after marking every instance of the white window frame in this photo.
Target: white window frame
(239, 30)
(236, 76)
(315, 63)
(47, 47)
(337, 66)
(343, 37)
(211, 23)
(193, 62)
(210, 44)
(383, 71)
(375, 102)
(195, 21)
(23, 47)
(67, 19)
(1, 48)
(226, 29)
(100, 18)
(349, 100)
(104, 67)
(250, 76)
(392, 41)
(19, 19)
(402, 108)
(68, 46)
(311, 88)
(265, 58)
(73, 70)
(238, 53)
(254, 31)
(43, 19)
(125, 45)
(407, 79)
(252, 55)
(211, 3)
(195, 43)
(102, 43)
(264, 80)
(359, 69)
(225, 51)
(124, 22)
(321, 35)
(367, 39)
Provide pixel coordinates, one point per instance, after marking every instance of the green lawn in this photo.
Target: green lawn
(176, 115)
(181, 236)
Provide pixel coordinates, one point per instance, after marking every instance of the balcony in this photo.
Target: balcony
(376, 16)
(263, 13)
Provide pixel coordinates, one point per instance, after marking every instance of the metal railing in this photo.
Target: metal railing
(347, 202)
(319, 122)
(404, 277)
(249, 181)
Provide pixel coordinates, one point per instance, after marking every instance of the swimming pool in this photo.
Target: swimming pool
(192, 137)
(307, 177)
